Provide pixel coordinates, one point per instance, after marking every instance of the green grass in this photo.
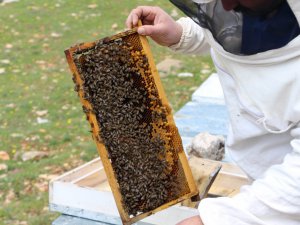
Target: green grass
(33, 37)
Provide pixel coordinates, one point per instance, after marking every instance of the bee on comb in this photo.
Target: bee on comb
(132, 124)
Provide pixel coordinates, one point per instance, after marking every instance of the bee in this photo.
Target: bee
(76, 88)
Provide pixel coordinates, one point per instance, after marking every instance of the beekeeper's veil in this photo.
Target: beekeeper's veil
(225, 26)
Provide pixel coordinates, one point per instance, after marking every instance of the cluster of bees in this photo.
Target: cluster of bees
(118, 84)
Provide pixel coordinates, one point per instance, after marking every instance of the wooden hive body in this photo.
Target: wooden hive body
(156, 117)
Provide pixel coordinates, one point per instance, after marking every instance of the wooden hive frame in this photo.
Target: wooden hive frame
(131, 35)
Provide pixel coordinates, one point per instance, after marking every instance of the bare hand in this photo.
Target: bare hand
(156, 23)
(195, 220)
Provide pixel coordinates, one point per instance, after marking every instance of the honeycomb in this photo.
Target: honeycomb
(132, 124)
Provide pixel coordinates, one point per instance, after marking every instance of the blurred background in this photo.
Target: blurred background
(43, 132)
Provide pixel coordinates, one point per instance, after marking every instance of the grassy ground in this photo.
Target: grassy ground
(35, 82)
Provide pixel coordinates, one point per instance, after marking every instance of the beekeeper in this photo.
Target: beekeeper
(255, 46)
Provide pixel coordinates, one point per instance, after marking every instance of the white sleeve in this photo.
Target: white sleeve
(274, 199)
(192, 40)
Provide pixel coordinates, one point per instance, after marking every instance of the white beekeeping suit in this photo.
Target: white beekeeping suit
(262, 92)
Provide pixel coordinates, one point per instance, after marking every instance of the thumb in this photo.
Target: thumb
(148, 30)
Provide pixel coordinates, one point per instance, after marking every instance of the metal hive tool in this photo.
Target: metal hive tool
(132, 124)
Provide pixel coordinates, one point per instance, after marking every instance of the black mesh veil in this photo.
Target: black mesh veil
(225, 26)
